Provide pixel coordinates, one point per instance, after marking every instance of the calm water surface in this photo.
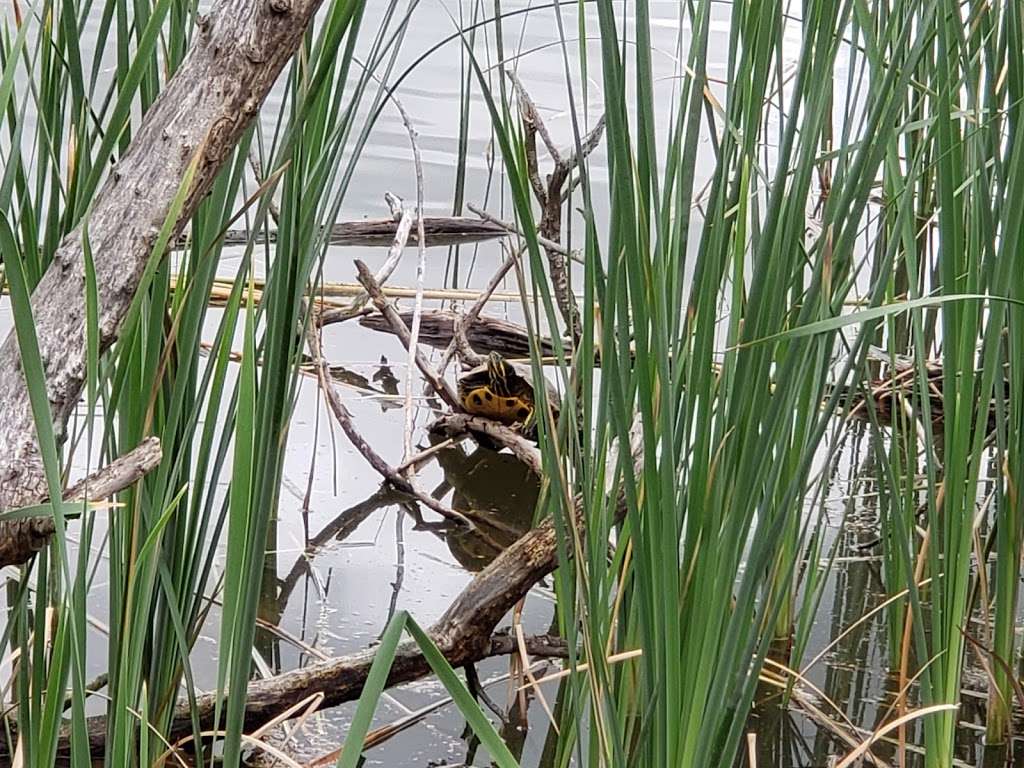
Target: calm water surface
(368, 555)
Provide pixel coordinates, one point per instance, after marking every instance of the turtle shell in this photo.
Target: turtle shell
(506, 396)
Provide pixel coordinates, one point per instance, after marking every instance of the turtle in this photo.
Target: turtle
(500, 390)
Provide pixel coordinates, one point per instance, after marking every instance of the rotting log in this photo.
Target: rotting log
(239, 50)
(437, 231)
(485, 333)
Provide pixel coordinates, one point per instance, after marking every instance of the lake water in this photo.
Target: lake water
(368, 554)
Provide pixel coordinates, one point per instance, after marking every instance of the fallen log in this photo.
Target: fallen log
(437, 231)
(464, 634)
(485, 333)
(239, 50)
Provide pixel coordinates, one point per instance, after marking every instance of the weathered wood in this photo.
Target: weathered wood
(464, 634)
(437, 231)
(485, 333)
(31, 534)
(238, 53)
(458, 424)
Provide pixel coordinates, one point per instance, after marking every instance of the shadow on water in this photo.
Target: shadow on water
(498, 491)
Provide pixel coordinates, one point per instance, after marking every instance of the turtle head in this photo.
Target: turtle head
(497, 368)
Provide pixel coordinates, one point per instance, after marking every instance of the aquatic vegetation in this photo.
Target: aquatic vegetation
(813, 221)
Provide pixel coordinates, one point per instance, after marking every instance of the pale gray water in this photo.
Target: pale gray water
(338, 599)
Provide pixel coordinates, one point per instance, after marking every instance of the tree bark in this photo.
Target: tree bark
(239, 51)
(33, 533)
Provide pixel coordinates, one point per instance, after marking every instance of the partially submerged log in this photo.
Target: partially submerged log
(239, 51)
(437, 231)
(485, 334)
(464, 634)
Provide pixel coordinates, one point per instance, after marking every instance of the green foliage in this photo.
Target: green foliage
(723, 331)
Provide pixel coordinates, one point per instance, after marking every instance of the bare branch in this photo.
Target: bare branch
(24, 537)
(374, 459)
(442, 387)
(529, 112)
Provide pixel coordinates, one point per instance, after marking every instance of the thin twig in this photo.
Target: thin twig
(529, 110)
(358, 304)
(374, 459)
(442, 387)
(474, 311)
(466, 352)
(589, 143)
(421, 267)
(477, 691)
(508, 225)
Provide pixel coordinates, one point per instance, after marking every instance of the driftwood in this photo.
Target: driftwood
(485, 333)
(30, 534)
(239, 51)
(437, 231)
(464, 634)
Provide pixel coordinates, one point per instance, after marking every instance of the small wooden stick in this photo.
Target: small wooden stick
(508, 225)
(358, 304)
(442, 387)
(474, 312)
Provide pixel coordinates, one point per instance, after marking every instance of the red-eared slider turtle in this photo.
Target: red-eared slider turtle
(503, 391)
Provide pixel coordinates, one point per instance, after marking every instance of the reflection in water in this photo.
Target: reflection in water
(385, 378)
(277, 592)
(499, 492)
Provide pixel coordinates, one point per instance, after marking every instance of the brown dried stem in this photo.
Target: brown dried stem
(442, 387)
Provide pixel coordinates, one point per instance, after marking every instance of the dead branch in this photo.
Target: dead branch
(374, 459)
(238, 52)
(458, 424)
(398, 325)
(551, 196)
(119, 474)
(29, 535)
(358, 304)
(508, 226)
(484, 333)
(459, 341)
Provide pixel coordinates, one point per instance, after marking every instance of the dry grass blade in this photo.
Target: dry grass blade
(861, 750)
